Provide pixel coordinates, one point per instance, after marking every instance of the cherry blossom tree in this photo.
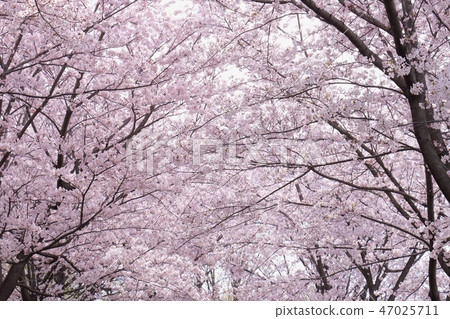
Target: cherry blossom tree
(213, 149)
(329, 191)
(79, 80)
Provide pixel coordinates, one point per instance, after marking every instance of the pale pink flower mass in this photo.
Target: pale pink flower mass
(224, 150)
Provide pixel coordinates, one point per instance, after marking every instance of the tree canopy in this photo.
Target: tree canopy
(224, 150)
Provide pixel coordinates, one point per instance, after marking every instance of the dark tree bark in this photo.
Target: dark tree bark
(10, 282)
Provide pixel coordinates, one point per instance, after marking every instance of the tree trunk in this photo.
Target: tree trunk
(11, 279)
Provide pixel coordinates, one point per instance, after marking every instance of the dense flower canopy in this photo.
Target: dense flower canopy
(212, 149)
